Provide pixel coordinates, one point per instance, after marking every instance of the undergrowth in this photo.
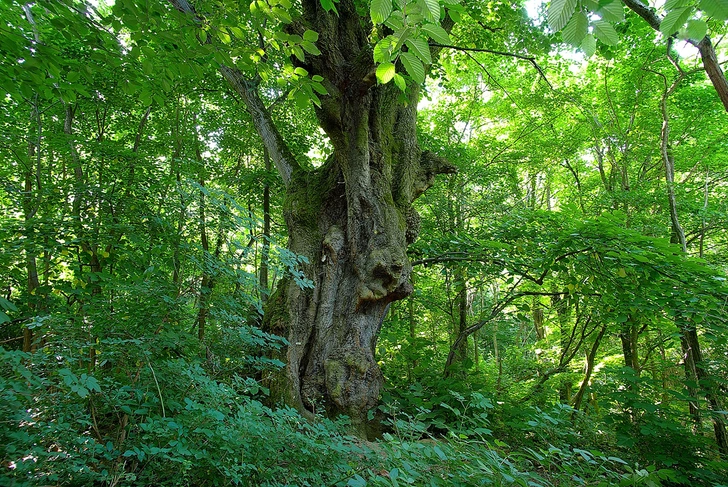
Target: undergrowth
(174, 422)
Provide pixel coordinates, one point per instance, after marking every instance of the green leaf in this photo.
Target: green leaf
(433, 7)
(329, 6)
(400, 82)
(671, 4)
(674, 20)
(718, 9)
(298, 52)
(356, 481)
(559, 13)
(419, 46)
(7, 305)
(606, 33)
(380, 10)
(4, 318)
(301, 98)
(281, 15)
(385, 72)
(612, 12)
(395, 20)
(439, 452)
(383, 50)
(414, 67)
(437, 33)
(310, 48)
(237, 32)
(310, 36)
(697, 29)
(576, 29)
(589, 45)
(224, 36)
(319, 88)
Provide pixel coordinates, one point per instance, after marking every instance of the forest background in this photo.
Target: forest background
(558, 318)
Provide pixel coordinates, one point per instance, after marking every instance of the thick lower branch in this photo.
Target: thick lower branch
(279, 152)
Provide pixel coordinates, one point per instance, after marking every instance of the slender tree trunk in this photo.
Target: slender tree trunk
(265, 253)
(537, 314)
(628, 335)
(696, 378)
(31, 175)
(705, 47)
(590, 358)
(412, 327)
(461, 289)
(476, 351)
(206, 283)
(563, 313)
(497, 356)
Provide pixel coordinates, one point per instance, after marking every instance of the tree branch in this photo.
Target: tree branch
(530, 59)
(705, 47)
(279, 152)
(712, 68)
(247, 89)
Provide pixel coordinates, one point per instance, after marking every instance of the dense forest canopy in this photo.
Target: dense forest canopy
(349, 242)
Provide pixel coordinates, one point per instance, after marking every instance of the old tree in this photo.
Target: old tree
(352, 218)
(362, 65)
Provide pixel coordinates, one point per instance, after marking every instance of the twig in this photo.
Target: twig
(161, 399)
(530, 59)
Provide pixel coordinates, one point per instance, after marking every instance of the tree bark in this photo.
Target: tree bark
(629, 335)
(538, 318)
(265, 253)
(696, 378)
(31, 174)
(563, 312)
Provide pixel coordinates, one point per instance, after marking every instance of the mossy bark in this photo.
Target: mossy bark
(350, 219)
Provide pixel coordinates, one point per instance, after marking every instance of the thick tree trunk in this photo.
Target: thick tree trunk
(352, 218)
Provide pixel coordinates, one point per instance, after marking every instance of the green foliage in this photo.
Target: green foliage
(197, 431)
(143, 219)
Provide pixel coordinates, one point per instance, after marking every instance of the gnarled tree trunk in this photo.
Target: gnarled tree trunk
(352, 218)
